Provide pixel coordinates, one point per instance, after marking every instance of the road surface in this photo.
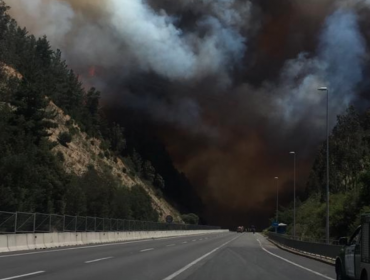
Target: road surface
(224, 256)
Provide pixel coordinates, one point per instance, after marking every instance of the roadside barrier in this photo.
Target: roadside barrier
(22, 242)
(4, 243)
(313, 248)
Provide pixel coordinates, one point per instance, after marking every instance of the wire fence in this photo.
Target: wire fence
(20, 222)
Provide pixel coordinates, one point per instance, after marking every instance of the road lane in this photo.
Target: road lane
(214, 256)
(64, 262)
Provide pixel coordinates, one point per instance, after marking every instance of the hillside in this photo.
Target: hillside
(84, 151)
(58, 153)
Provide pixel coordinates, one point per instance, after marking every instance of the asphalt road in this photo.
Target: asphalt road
(224, 256)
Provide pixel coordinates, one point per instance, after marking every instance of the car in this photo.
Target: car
(353, 261)
(240, 229)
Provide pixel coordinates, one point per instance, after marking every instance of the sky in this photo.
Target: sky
(229, 86)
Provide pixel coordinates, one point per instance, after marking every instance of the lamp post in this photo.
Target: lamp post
(277, 204)
(327, 163)
(294, 155)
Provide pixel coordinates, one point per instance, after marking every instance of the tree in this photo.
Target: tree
(141, 205)
(65, 138)
(159, 182)
(137, 161)
(191, 219)
(149, 171)
(116, 138)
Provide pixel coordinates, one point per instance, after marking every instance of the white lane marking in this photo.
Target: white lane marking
(169, 245)
(194, 240)
(177, 273)
(98, 260)
(88, 247)
(293, 263)
(146, 250)
(184, 242)
(201, 239)
(24, 275)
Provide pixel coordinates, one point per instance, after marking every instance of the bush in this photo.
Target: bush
(64, 138)
(159, 193)
(60, 156)
(190, 219)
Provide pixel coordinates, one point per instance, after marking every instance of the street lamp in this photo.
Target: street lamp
(327, 162)
(294, 155)
(277, 204)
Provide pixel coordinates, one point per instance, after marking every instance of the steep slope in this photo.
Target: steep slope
(84, 151)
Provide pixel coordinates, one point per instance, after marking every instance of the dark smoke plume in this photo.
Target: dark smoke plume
(229, 85)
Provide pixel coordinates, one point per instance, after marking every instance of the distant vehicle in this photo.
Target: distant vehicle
(240, 229)
(253, 229)
(353, 261)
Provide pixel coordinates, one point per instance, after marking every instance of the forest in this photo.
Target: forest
(32, 178)
(349, 168)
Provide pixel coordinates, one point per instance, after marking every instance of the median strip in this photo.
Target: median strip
(24, 275)
(98, 260)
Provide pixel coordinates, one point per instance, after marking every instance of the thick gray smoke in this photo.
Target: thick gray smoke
(338, 65)
(137, 38)
(232, 84)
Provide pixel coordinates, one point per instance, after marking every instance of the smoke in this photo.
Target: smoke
(230, 85)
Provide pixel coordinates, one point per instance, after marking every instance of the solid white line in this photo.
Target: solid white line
(146, 250)
(184, 242)
(98, 260)
(169, 245)
(194, 240)
(177, 273)
(89, 246)
(24, 275)
(293, 263)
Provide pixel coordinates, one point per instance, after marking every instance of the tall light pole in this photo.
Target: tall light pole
(327, 163)
(277, 204)
(294, 155)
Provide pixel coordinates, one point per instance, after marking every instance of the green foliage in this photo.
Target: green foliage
(159, 182)
(349, 181)
(32, 178)
(65, 138)
(190, 219)
(149, 171)
(137, 162)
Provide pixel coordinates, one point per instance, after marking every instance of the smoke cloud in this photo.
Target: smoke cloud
(230, 85)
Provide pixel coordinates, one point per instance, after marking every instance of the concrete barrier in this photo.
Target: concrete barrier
(19, 242)
(39, 241)
(31, 241)
(51, 240)
(4, 243)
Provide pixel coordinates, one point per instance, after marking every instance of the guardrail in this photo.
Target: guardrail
(20, 222)
(314, 248)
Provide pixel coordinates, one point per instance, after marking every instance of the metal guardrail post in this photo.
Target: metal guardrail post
(15, 222)
(34, 223)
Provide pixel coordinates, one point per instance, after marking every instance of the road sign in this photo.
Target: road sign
(169, 219)
(275, 224)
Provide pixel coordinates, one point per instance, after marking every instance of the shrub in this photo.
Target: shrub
(64, 138)
(190, 219)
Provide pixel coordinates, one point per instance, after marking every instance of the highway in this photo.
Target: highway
(225, 256)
